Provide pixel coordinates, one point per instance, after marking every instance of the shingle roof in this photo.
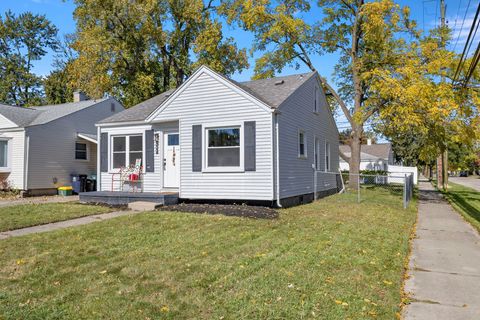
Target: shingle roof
(273, 92)
(31, 116)
(140, 111)
(368, 152)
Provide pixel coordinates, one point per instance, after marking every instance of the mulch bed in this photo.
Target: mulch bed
(245, 211)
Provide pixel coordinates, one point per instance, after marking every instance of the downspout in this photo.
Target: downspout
(277, 159)
(26, 147)
(99, 177)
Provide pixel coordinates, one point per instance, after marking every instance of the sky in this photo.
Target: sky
(425, 12)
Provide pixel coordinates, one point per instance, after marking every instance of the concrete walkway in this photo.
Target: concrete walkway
(471, 182)
(444, 270)
(64, 224)
(37, 200)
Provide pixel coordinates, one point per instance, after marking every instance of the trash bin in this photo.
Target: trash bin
(65, 191)
(75, 183)
(83, 182)
(90, 185)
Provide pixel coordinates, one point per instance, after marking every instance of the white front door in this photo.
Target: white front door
(171, 160)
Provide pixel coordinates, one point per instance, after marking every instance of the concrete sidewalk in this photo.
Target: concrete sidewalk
(64, 224)
(444, 268)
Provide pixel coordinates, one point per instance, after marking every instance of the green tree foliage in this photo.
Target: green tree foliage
(462, 157)
(134, 49)
(24, 39)
(58, 84)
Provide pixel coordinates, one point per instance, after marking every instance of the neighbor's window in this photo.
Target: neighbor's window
(315, 106)
(327, 156)
(223, 147)
(126, 150)
(302, 151)
(80, 151)
(3, 153)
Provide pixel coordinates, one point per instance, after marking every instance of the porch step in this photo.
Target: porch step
(116, 198)
(143, 206)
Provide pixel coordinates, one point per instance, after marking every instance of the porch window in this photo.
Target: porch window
(302, 151)
(80, 151)
(223, 147)
(126, 150)
(4, 154)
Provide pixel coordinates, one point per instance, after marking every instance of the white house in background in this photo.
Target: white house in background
(217, 139)
(372, 156)
(40, 147)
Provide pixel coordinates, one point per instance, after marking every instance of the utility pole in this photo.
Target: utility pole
(442, 160)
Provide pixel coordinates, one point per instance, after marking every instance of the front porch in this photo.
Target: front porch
(119, 198)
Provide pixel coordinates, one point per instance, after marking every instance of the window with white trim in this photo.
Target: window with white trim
(317, 100)
(4, 154)
(126, 150)
(80, 151)
(223, 147)
(327, 156)
(302, 144)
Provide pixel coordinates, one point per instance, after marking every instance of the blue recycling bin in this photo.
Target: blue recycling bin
(75, 183)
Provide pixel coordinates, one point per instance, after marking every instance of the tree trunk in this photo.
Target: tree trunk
(355, 148)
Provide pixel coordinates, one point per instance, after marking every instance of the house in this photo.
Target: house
(216, 139)
(375, 157)
(40, 147)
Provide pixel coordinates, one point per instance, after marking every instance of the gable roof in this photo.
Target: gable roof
(31, 116)
(18, 115)
(272, 92)
(370, 152)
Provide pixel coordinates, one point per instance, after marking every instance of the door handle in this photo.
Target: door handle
(164, 164)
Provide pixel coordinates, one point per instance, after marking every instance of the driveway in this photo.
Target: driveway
(472, 182)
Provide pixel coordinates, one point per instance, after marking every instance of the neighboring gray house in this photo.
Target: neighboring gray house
(216, 139)
(372, 157)
(40, 147)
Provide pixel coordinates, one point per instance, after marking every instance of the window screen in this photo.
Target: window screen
(223, 147)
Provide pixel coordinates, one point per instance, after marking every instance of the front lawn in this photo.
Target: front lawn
(333, 259)
(466, 201)
(27, 215)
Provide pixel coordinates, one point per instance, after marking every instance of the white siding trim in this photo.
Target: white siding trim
(6, 123)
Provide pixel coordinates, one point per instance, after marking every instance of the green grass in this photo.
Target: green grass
(28, 215)
(466, 201)
(333, 259)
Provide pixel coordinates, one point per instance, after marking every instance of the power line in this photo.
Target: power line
(473, 38)
(463, 22)
(456, 16)
(473, 65)
(467, 44)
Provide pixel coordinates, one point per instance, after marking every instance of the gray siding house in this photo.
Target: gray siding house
(217, 139)
(40, 147)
